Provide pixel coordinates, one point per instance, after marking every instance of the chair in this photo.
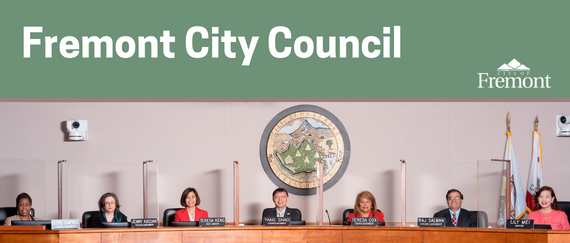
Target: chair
(349, 211)
(482, 219)
(86, 218)
(6, 212)
(168, 217)
(298, 211)
(565, 205)
(301, 221)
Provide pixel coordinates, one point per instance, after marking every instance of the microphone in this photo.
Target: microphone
(327, 211)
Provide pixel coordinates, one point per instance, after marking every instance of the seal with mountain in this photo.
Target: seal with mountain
(295, 140)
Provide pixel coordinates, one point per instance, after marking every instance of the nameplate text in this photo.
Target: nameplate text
(63, 224)
(144, 223)
(277, 221)
(365, 221)
(520, 224)
(431, 222)
(212, 222)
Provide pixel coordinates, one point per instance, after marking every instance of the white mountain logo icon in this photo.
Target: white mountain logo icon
(514, 65)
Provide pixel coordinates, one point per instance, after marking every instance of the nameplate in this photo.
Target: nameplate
(277, 221)
(520, 224)
(144, 223)
(212, 222)
(431, 222)
(63, 224)
(365, 221)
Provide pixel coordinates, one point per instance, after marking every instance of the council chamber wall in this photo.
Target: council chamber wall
(194, 144)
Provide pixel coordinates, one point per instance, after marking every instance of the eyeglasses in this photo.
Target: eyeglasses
(453, 198)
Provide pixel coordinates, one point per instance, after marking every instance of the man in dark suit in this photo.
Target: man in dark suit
(455, 215)
(280, 198)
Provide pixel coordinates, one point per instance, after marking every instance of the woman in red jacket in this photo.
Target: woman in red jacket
(190, 199)
(365, 206)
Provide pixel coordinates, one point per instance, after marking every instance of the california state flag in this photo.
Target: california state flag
(535, 174)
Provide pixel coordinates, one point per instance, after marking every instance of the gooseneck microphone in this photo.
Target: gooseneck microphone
(327, 211)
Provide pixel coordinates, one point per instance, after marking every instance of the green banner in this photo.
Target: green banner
(284, 49)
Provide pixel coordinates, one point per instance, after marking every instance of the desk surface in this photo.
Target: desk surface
(334, 233)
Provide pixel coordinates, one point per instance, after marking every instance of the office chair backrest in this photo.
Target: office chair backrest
(6, 212)
(565, 205)
(296, 210)
(86, 218)
(168, 217)
(482, 219)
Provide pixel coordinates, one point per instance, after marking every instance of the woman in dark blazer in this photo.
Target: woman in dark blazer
(190, 200)
(109, 211)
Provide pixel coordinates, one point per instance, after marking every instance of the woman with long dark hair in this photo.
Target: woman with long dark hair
(548, 211)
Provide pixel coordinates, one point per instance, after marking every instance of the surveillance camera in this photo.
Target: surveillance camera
(77, 130)
(562, 126)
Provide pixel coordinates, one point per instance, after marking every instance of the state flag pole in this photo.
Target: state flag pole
(508, 187)
(535, 174)
(511, 181)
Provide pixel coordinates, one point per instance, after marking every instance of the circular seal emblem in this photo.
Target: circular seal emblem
(295, 140)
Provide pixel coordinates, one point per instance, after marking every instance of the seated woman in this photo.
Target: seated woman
(548, 211)
(365, 206)
(189, 200)
(109, 206)
(24, 207)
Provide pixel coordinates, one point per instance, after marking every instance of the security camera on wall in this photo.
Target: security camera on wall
(563, 125)
(77, 130)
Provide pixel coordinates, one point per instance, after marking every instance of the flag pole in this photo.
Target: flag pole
(536, 124)
(403, 177)
(508, 176)
(509, 121)
(508, 189)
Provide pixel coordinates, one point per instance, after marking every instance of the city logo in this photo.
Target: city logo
(513, 75)
(514, 66)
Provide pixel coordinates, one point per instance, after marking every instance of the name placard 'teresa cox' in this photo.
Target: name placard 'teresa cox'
(364, 221)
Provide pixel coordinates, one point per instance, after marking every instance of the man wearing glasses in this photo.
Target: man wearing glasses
(280, 198)
(455, 215)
